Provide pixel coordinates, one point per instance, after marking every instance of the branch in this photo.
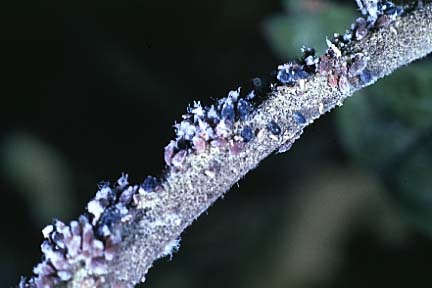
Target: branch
(127, 227)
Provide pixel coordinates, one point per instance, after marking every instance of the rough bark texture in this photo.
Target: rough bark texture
(159, 218)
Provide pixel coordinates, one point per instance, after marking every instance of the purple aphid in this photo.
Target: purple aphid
(87, 238)
(383, 20)
(299, 118)
(179, 158)
(111, 249)
(243, 109)
(359, 63)
(344, 85)
(98, 266)
(247, 134)
(274, 128)
(150, 184)
(169, 152)
(199, 144)
(237, 148)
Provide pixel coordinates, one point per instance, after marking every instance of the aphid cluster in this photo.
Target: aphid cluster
(376, 9)
(224, 124)
(387, 13)
(342, 73)
(91, 241)
(215, 126)
(301, 69)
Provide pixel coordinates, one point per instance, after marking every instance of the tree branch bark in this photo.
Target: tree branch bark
(120, 236)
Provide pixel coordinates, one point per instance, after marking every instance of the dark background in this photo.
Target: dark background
(91, 89)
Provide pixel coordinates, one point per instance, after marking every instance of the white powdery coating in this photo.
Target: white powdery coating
(95, 208)
(64, 275)
(185, 130)
(105, 191)
(47, 231)
(170, 248)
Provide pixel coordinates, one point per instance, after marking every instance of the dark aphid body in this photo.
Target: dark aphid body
(150, 184)
(285, 76)
(247, 134)
(307, 51)
(110, 217)
(183, 144)
(299, 118)
(243, 109)
(227, 112)
(274, 128)
(300, 74)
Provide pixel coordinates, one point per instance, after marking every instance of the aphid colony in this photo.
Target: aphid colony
(342, 73)
(379, 13)
(214, 126)
(94, 239)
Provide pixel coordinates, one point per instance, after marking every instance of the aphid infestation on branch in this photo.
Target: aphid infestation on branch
(232, 125)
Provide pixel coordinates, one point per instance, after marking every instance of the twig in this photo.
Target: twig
(127, 227)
